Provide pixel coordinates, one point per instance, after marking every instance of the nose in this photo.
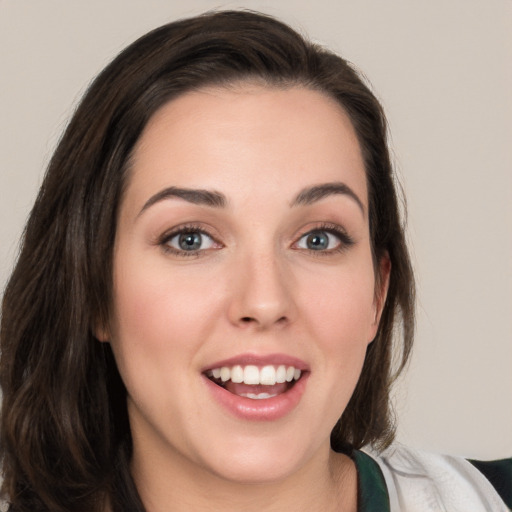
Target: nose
(262, 293)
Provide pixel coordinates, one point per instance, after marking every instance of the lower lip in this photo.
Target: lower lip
(266, 409)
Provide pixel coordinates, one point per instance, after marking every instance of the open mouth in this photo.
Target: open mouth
(254, 382)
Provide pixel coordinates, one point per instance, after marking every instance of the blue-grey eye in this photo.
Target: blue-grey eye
(191, 241)
(319, 240)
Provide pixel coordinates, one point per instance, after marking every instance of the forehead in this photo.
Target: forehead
(237, 139)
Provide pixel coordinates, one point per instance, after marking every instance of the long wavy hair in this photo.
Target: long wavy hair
(64, 434)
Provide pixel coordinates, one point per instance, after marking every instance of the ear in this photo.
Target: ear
(101, 335)
(101, 332)
(383, 271)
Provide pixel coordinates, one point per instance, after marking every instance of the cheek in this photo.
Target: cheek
(159, 317)
(154, 299)
(340, 304)
(339, 312)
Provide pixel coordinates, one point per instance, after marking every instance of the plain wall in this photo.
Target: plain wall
(443, 72)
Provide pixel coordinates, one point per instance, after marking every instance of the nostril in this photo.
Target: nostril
(249, 320)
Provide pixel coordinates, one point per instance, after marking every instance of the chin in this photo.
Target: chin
(259, 461)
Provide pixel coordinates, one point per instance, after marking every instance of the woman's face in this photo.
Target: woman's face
(243, 251)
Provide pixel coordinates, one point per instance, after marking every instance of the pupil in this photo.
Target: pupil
(190, 241)
(317, 241)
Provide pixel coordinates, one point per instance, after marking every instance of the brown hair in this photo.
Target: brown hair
(65, 439)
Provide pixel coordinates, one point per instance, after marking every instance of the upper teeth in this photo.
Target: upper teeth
(268, 375)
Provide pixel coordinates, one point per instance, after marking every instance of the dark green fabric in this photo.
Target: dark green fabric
(372, 492)
(499, 473)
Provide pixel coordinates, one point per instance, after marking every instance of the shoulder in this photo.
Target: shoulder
(421, 481)
(499, 473)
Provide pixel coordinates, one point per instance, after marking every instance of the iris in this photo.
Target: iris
(190, 241)
(317, 241)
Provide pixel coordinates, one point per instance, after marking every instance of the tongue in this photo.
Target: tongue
(242, 389)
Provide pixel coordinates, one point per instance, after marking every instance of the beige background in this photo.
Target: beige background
(443, 70)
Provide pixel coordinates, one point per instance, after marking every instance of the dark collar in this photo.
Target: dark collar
(372, 492)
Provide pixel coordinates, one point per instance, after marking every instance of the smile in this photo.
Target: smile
(258, 388)
(253, 382)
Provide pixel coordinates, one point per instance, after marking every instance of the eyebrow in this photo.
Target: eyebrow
(313, 194)
(215, 199)
(195, 196)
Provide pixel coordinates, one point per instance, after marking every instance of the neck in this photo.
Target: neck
(326, 483)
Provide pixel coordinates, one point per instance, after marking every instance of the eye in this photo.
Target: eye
(325, 239)
(318, 241)
(189, 241)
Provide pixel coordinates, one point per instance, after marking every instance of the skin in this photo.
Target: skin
(253, 287)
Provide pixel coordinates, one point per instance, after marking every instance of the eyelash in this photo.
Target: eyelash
(164, 240)
(345, 240)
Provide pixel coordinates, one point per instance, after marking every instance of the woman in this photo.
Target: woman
(203, 312)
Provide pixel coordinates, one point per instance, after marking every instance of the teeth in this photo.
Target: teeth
(237, 374)
(252, 375)
(225, 373)
(268, 375)
(259, 396)
(281, 374)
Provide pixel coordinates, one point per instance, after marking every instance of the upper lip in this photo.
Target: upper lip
(259, 360)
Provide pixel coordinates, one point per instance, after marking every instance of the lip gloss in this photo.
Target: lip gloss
(265, 409)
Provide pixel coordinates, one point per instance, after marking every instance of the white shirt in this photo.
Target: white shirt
(425, 482)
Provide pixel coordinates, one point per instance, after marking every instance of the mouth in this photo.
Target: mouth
(255, 382)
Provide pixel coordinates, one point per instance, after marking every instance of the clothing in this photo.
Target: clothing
(404, 480)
